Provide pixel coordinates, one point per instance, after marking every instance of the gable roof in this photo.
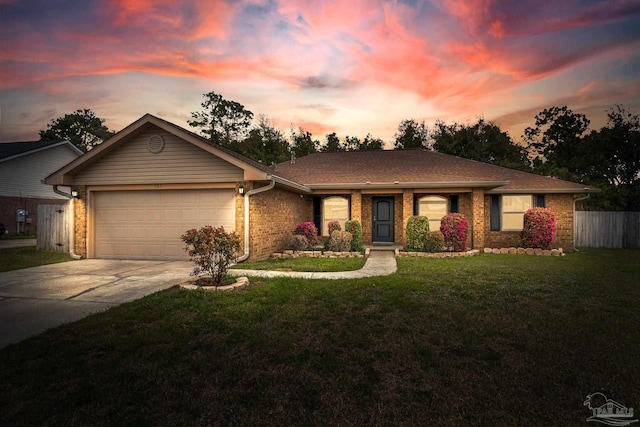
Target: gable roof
(12, 150)
(415, 168)
(253, 170)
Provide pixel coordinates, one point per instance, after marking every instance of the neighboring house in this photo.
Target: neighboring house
(142, 188)
(23, 168)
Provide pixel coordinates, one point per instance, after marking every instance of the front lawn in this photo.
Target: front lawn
(305, 264)
(495, 340)
(23, 257)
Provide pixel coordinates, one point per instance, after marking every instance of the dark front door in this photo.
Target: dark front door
(382, 227)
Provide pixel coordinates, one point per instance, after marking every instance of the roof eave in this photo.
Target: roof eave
(543, 190)
(398, 184)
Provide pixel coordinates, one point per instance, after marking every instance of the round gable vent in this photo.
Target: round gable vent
(155, 144)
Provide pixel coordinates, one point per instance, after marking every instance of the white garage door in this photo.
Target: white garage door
(148, 224)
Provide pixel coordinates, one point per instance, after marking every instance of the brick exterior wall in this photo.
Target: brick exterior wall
(407, 212)
(356, 206)
(80, 218)
(477, 220)
(273, 216)
(560, 204)
(9, 206)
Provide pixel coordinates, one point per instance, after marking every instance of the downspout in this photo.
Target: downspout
(574, 217)
(246, 216)
(72, 222)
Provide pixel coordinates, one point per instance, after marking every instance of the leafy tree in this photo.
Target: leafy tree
(482, 141)
(411, 134)
(265, 143)
(302, 144)
(555, 142)
(371, 143)
(221, 120)
(81, 127)
(333, 143)
(611, 161)
(352, 143)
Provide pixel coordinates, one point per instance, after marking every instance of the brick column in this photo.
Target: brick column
(356, 205)
(80, 219)
(407, 211)
(477, 220)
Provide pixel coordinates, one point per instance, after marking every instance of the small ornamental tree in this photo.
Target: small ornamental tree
(455, 228)
(212, 250)
(355, 229)
(539, 228)
(417, 233)
(333, 226)
(308, 230)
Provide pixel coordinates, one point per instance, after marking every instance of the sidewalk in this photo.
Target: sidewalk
(379, 263)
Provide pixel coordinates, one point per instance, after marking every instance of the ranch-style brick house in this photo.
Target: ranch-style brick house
(140, 190)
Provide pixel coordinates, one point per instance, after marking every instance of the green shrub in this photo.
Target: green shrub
(539, 228)
(417, 231)
(435, 242)
(212, 250)
(355, 229)
(298, 242)
(454, 228)
(340, 241)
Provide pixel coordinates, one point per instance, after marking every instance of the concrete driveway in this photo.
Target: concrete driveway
(33, 300)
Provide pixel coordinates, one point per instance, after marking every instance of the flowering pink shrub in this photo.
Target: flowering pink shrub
(539, 228)
(308, 230)
(211, 249)
(333, 226)
(455, 228)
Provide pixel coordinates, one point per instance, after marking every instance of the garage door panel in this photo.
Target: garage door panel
(148, 224)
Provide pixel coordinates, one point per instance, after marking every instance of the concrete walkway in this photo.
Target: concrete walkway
(379, 263)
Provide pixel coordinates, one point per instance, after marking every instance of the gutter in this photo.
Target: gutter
(398, 184)
(246, 215)
(585, 197)
(72, 222)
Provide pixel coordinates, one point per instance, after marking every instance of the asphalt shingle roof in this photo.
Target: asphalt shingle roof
(9, 149)
(417, 166)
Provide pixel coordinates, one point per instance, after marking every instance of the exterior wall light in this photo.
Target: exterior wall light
(75, 194)
(241, 190)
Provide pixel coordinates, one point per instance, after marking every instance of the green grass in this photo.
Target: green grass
(495, 340)
(17, 258)
(305, 264)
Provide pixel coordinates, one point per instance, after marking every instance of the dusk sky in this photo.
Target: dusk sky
(351, 67)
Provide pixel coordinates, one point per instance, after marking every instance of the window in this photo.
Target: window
(434, 208)
(513, 209)
(334, 209)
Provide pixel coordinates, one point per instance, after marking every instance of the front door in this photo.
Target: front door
(382, 227)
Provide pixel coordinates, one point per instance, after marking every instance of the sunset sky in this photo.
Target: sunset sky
(352, 67)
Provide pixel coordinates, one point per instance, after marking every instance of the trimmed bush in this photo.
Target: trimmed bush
(435, 242)
(212, 250)
(308, 230)
(539, 228)
(333, 226)
(417, 232)
(355, 229)
(340, 241)
(299, 242)
(455, 228)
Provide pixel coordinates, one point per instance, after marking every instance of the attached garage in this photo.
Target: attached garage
(147, 224)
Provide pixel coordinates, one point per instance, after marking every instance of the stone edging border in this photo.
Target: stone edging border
(473, 252)
(315, 254)
(240, 283)
(525, 251)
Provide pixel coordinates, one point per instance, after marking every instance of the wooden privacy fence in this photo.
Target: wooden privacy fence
(53, 228)
(608, 229)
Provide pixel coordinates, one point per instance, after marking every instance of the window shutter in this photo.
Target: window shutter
(317, 213)
(453, 203)
(541, 201)
(495, 213)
